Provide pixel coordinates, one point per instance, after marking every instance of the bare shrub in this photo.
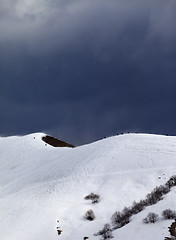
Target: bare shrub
(120, 219)
(151, 218)
(169, 214)
(145, 220)
(116, 218)
(89, 215)
(95, 198)
(126, 211)
(105, 233)
(171, 182)
(156, 195)
(137, 207)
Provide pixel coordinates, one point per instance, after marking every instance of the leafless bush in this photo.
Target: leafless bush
(156, 195)
(95, 198)
(105, 233)
(151, 218)
(89, 215)
(171, 182)
(169, 214)
(137, 207)
(120, 219)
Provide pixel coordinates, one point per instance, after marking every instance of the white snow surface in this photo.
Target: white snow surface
(40, 184)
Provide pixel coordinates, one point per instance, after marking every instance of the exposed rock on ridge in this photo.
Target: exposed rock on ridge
(56, 142)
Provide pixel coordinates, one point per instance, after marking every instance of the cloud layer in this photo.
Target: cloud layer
(83, 69)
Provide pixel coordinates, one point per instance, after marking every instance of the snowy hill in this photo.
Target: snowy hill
(40, 184)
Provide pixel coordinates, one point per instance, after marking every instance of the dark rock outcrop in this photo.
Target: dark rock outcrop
(56, 142)
(172, 230)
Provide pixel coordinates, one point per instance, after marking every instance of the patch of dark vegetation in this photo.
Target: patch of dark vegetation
(168, 214)
(105, 233)
(120, 219)
(151, 218)
(95, 198)
(137, 207)
(172, 231)
(171, 182)
(89, 215)
(56, 142)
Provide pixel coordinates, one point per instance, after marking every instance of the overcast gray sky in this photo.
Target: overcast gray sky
(84, 69)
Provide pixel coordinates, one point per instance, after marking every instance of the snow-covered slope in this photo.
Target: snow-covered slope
(40, 184)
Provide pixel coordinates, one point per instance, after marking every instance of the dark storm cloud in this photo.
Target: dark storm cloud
(84, 69)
